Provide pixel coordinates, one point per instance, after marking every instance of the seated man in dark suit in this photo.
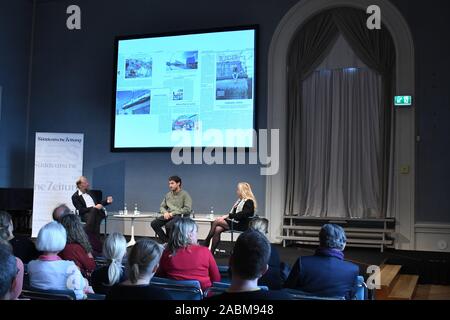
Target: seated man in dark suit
(326, 274)
(90, 210)
(248, 263)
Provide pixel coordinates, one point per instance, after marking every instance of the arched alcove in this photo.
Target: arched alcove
(404, 209)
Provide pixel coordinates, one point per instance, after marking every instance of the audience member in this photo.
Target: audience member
(272, 278)
(49, 271)
(78, 249)
(114, 249)
(326, 273)
(248, 263)
(142, 265)
(23, 248)
(8, 273)
(60, 211)
(184, 259)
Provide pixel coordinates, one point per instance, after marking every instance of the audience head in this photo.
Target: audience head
(60, 211)
(51, 238)
(75, 231)
(244, 191)
(183, 233)
(6, 226)
(114, 249)
(83, 184)
(8, 272)
(143, 260)
(259, 224)
(174, 183)
(250, 257)
(332, 236)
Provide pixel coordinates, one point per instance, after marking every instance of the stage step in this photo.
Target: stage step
(404, 287)
(389, 275)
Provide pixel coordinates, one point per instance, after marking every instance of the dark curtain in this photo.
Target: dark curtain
(311, 45)
(377, 50)
(309, 48)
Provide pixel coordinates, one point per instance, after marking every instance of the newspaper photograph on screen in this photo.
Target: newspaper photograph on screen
(186, 83)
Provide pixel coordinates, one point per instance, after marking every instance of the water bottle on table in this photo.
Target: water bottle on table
(136, 211)
(211, 213)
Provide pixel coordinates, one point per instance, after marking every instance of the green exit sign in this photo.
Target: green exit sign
(403, 101)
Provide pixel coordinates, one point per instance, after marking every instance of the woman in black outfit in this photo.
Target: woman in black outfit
(142, 264)
(114, 250)
(238, 218)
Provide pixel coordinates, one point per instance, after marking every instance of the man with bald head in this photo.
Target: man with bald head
(60, 211)
(90, 210)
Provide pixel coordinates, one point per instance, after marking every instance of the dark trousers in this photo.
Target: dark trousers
(93, 219)
(160, 222)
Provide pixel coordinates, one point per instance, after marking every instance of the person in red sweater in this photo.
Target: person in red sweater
(78, 248)
(184, 259)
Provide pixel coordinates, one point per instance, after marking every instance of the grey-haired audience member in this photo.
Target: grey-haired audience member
(184, 259)
(50, 272)
(8, 272)
(60, 211)
(332, 236)
(326, 273)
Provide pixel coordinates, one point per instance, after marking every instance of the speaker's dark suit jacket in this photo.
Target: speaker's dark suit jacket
(79, 203)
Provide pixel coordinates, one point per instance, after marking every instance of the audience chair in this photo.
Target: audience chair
(180, 289)
(360, 294)
(39, 294)
(221, 287)
(232, 232)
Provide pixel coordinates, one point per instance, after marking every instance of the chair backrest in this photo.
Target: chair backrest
(96, 296)
(360, 294)
(39, 294)
(180, 289)
(361, 291)
(221, 287)
(300, 295)
(98, 194)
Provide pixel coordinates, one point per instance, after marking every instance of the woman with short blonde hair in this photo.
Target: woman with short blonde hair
(238, 218)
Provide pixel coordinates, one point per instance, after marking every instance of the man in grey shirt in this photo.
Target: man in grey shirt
(176, 204)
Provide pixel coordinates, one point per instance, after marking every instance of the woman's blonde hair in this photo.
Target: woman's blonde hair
(179, 235)
(144, 256)
(114, 249)
(246, 192)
